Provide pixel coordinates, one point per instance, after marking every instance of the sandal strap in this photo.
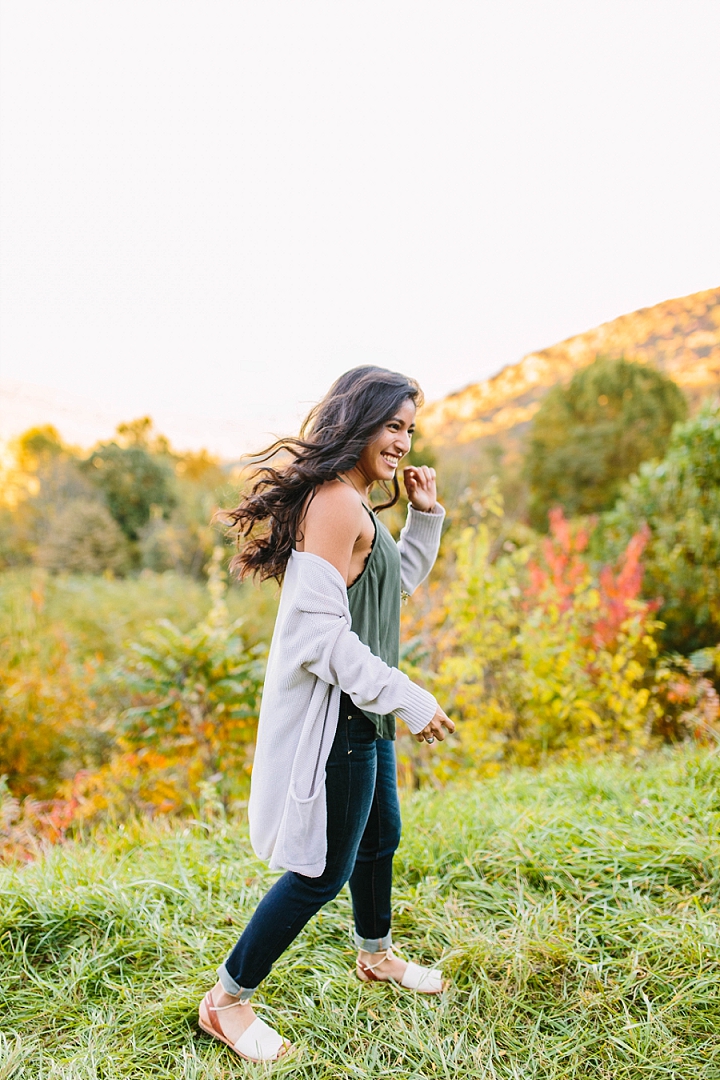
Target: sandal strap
(371, 967)
(423, 979)
(428, 980)
(260, 1042)
(212, 1008)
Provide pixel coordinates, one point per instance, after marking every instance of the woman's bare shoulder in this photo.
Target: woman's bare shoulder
(332, 523)
(336, 503)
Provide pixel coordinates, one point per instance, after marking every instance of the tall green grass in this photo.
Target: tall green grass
(575, 910)
(99, 615)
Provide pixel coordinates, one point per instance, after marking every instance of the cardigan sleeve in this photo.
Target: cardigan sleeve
(418, 545)
(317, 630)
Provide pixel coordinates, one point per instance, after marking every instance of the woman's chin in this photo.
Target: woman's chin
(384, 472)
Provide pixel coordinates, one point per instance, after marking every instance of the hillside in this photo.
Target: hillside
(681, 337)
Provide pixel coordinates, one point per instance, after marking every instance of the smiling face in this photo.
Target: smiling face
(380, 458)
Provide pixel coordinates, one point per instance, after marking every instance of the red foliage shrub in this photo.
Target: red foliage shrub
(564, 572)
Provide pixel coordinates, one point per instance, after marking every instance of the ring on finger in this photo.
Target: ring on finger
(430, 739)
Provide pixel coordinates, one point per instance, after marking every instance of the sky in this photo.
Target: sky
(211, 208)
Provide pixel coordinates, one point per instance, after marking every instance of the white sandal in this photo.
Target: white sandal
(423, 980)
(259, 1042)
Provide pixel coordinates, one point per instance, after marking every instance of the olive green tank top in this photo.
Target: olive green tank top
(374, 599)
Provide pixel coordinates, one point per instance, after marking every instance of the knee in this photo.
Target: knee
(384, 843)
(329, 890)
(325, 888)
(390, 840)
(389, 832)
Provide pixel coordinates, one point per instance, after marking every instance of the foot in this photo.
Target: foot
(388, 968)
(384, 966)
(232, 1021)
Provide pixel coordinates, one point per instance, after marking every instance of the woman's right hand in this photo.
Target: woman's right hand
(440, 726)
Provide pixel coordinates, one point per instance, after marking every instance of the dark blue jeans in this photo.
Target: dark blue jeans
(363, 832)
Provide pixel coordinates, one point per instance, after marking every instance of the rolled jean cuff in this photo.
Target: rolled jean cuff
(373, 944)
(231, 987)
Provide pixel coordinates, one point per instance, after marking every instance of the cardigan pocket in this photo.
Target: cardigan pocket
(305, 828)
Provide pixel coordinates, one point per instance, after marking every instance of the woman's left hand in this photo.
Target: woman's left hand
(420, 486)
(440, 726)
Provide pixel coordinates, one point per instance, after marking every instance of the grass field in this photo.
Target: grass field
(575, 910)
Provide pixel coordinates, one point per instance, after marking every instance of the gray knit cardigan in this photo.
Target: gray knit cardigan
(314, 655)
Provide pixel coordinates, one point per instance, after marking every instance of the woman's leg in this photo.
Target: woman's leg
(294, 898)
(371, 879)
(371, 885)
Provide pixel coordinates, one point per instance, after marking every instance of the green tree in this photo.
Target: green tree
(588, 437)
(133, 481)
(44, 478)
(83, 538)
(37, 446)
(141, 432)
(679, 498)
(184, 540)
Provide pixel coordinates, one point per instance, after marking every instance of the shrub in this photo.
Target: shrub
(679, 500)
(27, 826)
(589, 436)
(535, 654)
(46, 704)
(14, 548)
(192, 705)
(691, 705)
(182, 542)
(83, 538)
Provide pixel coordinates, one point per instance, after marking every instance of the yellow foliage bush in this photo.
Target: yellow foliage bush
(46, 704)
(534, 657)
(192, 705)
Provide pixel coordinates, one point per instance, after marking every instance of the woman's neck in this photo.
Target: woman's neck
(356, 479)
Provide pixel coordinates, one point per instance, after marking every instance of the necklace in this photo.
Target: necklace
(350, 483)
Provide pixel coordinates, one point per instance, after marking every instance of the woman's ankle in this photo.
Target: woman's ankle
(374, 958)
(221, 996)
(232, 989)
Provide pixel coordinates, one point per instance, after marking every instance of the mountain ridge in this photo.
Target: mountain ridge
(681, 337)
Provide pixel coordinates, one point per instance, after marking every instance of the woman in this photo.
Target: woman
(323, 803)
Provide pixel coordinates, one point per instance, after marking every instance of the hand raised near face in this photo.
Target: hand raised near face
(420, 486)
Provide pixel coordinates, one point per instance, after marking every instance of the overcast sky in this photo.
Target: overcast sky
(211, 208)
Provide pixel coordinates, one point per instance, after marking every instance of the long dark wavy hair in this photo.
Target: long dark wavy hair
(331, 439)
